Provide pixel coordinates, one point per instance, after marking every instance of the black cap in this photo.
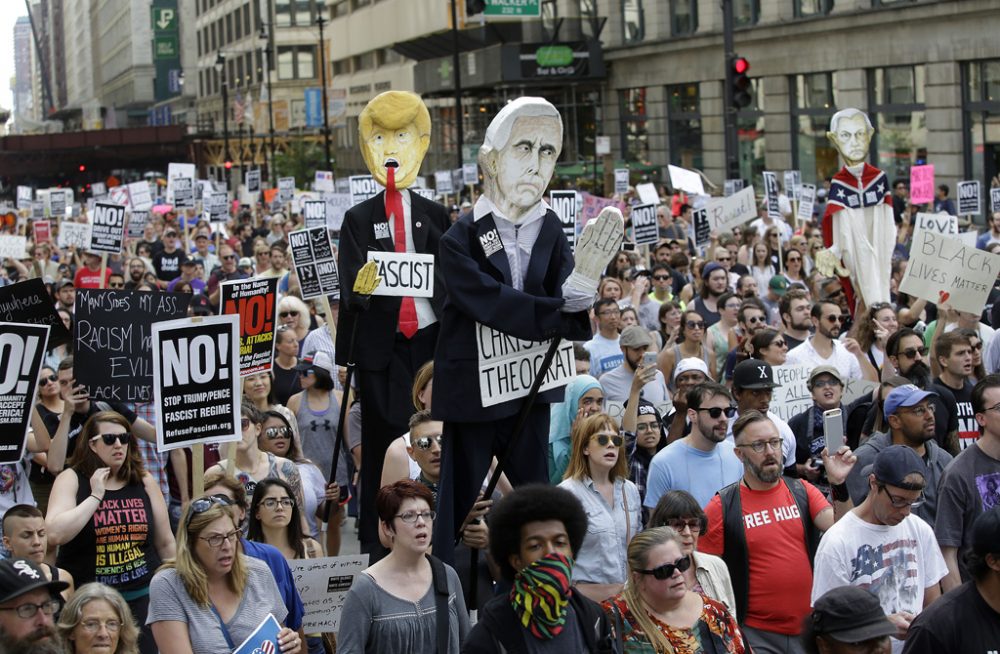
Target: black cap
(200, 306)
(20, 576)
(894, 464)
(986, 532)
(850, 614)
(753, 374)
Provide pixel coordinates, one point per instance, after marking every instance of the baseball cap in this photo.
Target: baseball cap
(466, 205)
(826, 370)
(200, 235)
(893, 464)
(753, 374)
(190, 262)
(635, 336)
(689, 364)
(647, 408)
(20, 576)
(778, 284)
(63, 282)
(904, 396)
(709, 268)
(245, 262)
(985, 531)
(850, 614)
(319, 359)
(200, 306)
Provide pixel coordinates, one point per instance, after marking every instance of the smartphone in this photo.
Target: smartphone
(649, 359)
(833, 430)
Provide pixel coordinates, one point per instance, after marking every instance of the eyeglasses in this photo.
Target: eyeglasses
(716, 412)
(777, 343)
(215, 541)
(836, 293)
(753, 320)
(285, 314)
(823, 383)
(644, 427)
(721, 259)
(93, 626)
(604, 439)
(28, 611)
(109, 439)
(410, 517)
(661, 278)
(609, 312)
(912, 352)
(203, 504)
(678, 524)
(759, 446)
(51, 379)
(274, 433)
(976, 347)
(919, 411)
(228, 256)
(285, 502)
(116, 284)
(901, 502)
(794, 259)
(691, 324)
(734, 306)
(832, 318)
(666, 571)
(170, 235)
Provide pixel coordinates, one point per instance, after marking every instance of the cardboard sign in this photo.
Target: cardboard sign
(702, 227)
(37, 210)
(323, 181)
(564, 204)
(793, 397)
(217, 206)
(644, 226)
(314, 213)
(404, 274)
(621, 181)
(732, 186)
(29, 302)
(940, 223)
(807, 200)
(263, 640)
(252, 180)
(137, 221)
(425, 193)
(315, 264)
(112, 340)
(74, 235)
(592, 206)
(22, 350)
(337, 205)
(995, 199)
(508, 365)
(944, 270)
(196, 381)
(254, 301)
(41, 231)
(14, 247)
(733, 211)
(647, 193)
(286, 189)
(57, 203)
(183, 192)
(97, 189)
(107, 232)
(362, 188)
(25, 196)
(602, 145)
(771, 195)
(922, 184)
(140, 197)
(323, 584)
(969, 198)
(118, 195)
(793, 182)
(470, 174)
(179, 171)
(686, 180)
(442, 182)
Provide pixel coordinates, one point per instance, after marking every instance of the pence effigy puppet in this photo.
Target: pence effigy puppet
(858, 226)
(511, 275)
(395, 335)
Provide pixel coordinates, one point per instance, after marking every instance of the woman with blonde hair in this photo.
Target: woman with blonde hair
(294, 313)
(597, 475)
(398, 464)
(97, 619)
(656, 612)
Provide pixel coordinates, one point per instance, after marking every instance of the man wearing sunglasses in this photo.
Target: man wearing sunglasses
(227, 272)
(750, 319)
(881, 546)
(28, 603)
(824, 348)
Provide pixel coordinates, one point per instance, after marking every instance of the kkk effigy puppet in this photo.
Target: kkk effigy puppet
(394, 335)
(511, 275)
(858, 226)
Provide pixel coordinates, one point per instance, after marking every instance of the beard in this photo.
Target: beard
(766, 476)
(33, 643)
(919, 374)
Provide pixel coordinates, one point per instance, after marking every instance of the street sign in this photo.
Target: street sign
(165, 19)
(513, 9)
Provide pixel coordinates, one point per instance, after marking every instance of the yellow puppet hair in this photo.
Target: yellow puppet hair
(394, 109)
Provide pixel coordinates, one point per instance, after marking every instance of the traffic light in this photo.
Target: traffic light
(740, 82)
(473, 7)
(229, 165)
(83, 168)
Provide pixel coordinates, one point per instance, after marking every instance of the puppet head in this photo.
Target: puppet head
(519, 154)
(851, 133)
(395, 130)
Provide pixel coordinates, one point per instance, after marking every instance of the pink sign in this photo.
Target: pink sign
(42, 231)
(922, 184)
(592, 205)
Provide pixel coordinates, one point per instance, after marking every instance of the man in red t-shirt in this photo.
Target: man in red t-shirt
(769, 552)
(89, 276)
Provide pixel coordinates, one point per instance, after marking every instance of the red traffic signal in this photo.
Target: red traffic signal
(740, 65)
(229, 165)
(83, 168)
(739, 83)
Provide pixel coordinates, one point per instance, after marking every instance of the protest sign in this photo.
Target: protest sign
(29, 302)
(323, 181)
(922, 184)
(179, 171)
(22, 350)
(731, 186)
(647, 193)
(263, 640)
(286, 189)
(771, 195)
(137, 223)
(793, 182)
(252, 180)
(254, 301)
(216, 206)
(732, 211)
(807, 200)
(425, 193)
(508, 365)
(793, 396)
(139, 196)
(564, 204)
(592, 206)
(644, 224)
(57, 203)
(323, 584)
(404, 274)
(616, 410)
(337, 205)
(183, 192)
(37, 210)
(362, 188)
(112, 340)
(470, 174)
(314, 213)
(995, 199)
(25, 195)
(196, 377)
(940, 223)
(602, 145)
(315, 264)
(969, 198)
(74, 235)
(117, 195)
(107, 232)
(621, 181)
(41, 231)
(442, 182)
(944, 270)
(686, 180)
(97, 189)
(13, 246)
(702, 227)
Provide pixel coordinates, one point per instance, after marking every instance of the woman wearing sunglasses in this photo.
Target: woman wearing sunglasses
(656, 612)
(598, 476)
(53, 411)
(109, 517)
(769, 345)
(692, 343)
(293, 313)
(212, 597)
(98, 621)
(873, 329)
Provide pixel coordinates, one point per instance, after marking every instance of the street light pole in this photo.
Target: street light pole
(220, 67)
(266, 34)
(322, 69)
(459, 118)
(730, 140)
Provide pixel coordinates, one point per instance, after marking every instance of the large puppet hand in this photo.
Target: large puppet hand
(600, 241)
(828, 264)
(368, 279)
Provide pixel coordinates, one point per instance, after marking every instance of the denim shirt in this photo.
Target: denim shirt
(602, 557)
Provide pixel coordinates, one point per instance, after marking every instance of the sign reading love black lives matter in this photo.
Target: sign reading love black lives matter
(315, 264)
(254, 301)
(107, 231)
(112, 340)
(22, 348)
(196, 372)
(944, 270)
(29, 302)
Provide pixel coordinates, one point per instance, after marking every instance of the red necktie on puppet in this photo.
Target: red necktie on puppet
(394, 207)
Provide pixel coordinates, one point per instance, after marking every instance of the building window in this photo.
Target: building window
(981, 97)
(684, 125)
(588, 17)
(339, 8)
(297, 62)
(814, 101)
(283, 13)
(683, 17)
(294, 12)
(246, 19)
(635, 137)
(342, 67)
(229, 28)
(896, 98)
(807, 8)
(633, 21)
(746, 12)
(388, 56)
(357, 4)
(363, 61)
(750, 135)
(891, 3)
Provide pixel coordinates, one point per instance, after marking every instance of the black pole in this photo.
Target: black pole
(322, 71)
(729, 109)
(225, 114)
(270, 105)
(459, 137)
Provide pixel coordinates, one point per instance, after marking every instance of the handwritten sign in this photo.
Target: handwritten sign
(508, 365)
(807, 200)
(404, 274)
(29, 302)
(254, 300)
(686, 180)
(969, 198)
(22, 350)
(733, 211)
(644, 224)
(74, 235)
(922, 184)
(771, 195)
(793, 397)
(944, 270)
(139, 196)
(337, 205)
(362, 187)
(13, 246)
(592, 206)
(323, 584)
(940, 223)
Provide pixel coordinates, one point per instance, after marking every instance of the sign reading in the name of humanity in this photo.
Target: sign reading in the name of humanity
(771, 195)
(362, 187)
(922, 184)
(13, 246)
(196, 371)
(409, 274)
(940, 223)
(943, 270)
(22, 349)
(107, 231)
(314, 212)
(29, 302)
(621, 181)
(969, 198)
(323, 584)
(644, 224)
(807, 200)
(254, 301)
(508, 365)
(112, 340)
(726, 213)
(315, 264)
(564, 204)
(286, 189)
(139, 196)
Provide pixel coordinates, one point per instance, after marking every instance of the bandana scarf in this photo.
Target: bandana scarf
(540, 595)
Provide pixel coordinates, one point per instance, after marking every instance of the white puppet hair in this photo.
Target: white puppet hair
(498, 132)
(849, 113)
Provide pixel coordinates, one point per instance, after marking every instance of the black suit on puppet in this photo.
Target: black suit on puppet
(386, 361)
(480, 291)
